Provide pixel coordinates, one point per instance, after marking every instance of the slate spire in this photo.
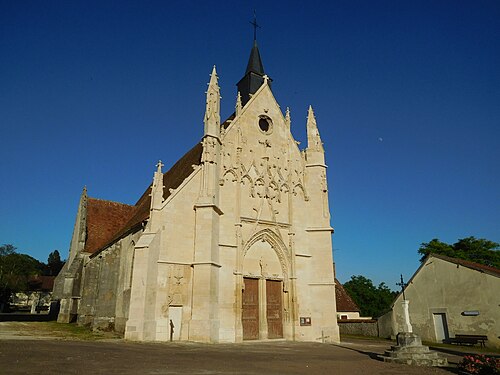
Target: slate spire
(255, 62)
(254, 75)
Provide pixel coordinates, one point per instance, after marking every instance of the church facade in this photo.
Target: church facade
(232, 243)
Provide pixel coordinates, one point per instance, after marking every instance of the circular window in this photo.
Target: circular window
(265, 124)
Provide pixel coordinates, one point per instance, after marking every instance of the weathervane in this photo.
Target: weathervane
(402, 285)
(255, 25)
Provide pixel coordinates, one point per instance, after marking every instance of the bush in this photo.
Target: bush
(479, 364)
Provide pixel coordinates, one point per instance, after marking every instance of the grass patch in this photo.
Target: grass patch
(70, 331)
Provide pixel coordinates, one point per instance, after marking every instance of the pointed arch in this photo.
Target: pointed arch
(247, 186)
(299, 187)
(277, 244)
(259, 187)
(285, 188)
(232, 172)
(274, 191)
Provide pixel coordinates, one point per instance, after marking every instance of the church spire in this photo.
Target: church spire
(255, 62)
(212, 110)
(254, 74)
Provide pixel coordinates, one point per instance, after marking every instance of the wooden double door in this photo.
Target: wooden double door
(269, 314)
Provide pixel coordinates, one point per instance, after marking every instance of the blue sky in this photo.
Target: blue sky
(406, 94)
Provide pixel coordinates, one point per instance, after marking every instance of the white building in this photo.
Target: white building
(448, 297)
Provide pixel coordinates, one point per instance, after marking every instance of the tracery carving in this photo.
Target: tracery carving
(277, 244)
(209, 150)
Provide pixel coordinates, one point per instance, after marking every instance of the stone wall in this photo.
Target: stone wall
(98, 303)
(360, 327)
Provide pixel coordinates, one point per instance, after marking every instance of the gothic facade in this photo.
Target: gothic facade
(232, 243)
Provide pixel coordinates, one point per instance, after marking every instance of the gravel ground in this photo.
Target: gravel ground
(23, 351)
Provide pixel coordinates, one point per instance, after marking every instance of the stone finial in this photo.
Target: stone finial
(159, 166)
(238, 104)
(157, 187)
(288, 120)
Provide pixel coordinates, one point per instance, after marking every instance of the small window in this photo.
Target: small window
(265, 124)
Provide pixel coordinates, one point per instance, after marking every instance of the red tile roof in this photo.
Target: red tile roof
(110, 221)
(41, 283)
(343, 299)
(104, 219)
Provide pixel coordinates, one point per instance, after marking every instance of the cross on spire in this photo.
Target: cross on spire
(255, 25)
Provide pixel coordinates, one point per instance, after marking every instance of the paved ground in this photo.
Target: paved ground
(32, 354)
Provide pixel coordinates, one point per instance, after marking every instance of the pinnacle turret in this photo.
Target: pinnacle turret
(238, 105)
(157, 187)
(212, 111)
(313, 138)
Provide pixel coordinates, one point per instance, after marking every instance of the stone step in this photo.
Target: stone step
(434, 362)
(410, 349)
(430, 355)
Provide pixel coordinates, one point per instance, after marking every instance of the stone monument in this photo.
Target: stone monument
(409, 349)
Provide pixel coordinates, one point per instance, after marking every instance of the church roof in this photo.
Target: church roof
(107, 222)
(344, 301)
(104, 219)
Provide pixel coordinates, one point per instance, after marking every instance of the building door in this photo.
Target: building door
(175, 320)
(274, 309)
(441, 327)
(250, 311)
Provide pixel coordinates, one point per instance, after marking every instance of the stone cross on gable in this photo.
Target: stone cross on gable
(402, 284)
(159, 165)
(266, 78)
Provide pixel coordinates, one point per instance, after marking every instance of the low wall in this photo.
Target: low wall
(41, 317)
(361, 327)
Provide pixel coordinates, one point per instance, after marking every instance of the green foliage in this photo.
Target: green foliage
(480, 250)
(373, 301)
(15, 271)
(54, 263)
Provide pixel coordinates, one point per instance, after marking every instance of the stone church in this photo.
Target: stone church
(232, 243)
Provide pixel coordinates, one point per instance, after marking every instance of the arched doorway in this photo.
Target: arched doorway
(264, 274)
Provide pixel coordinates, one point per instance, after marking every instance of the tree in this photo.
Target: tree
(15, 272)
(476, 250)
(54, 263)
(372, 301)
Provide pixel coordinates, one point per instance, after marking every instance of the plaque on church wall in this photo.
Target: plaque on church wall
(305, 320)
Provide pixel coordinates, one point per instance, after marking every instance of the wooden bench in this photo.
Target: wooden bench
(462, 339)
